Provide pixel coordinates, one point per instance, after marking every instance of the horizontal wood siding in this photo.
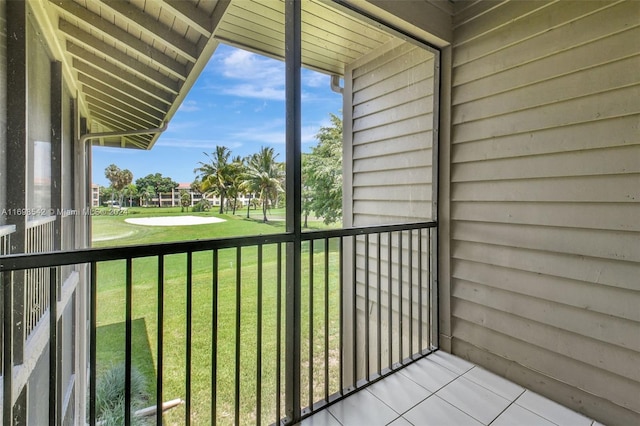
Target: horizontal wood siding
(392, 123)
(389, 98)
(545, 198)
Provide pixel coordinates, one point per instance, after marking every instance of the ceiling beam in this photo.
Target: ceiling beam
(122, 74)
(113, 103)
(108, 95)
(106, 121)
(155, 29)
(114, 117)
(82, 38)
(208, 46)
(118, 35)
(43, 12)
(188, 12)
(138, 99)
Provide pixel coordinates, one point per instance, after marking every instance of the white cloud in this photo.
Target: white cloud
(315, 79)
(189, 106)
(269, 135)
(206, 144)
(249, 75)
(249, 90)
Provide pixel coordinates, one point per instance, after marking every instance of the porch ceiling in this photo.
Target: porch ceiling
(133, 62)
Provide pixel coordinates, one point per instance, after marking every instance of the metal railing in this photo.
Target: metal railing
(206, 321)
(5, 238)
(39, 238)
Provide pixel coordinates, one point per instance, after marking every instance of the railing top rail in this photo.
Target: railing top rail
(34, 222)
(362, 230)
(16, 262)
(7, 229)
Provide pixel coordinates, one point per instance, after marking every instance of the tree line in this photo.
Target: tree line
(260, 175)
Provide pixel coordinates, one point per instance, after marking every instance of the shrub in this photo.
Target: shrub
(201, 206)
(110, 396)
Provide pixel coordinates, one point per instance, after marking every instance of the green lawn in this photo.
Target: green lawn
(113, 231)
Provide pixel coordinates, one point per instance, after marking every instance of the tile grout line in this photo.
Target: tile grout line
(537, 414)
(507, 407)
(336, 419)
(493, 392)
(440, 388)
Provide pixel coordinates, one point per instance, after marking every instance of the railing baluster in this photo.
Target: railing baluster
(160, 340)
(214, 338)
(354, 296)
(390, 297)
(310, 325)
(7, 352)
(341, 300)
(431, 283)
(420, 344)
(53, 349)
(410, 250)
(93, 283)
(278, 331)
(128, 335)
(238, 304)
(259, 342)
(366, 307)
(400, 298)
(379, 301)
(326, 320)
(189, 329)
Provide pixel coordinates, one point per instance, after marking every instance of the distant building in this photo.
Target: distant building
(172, 199)
(95, 195)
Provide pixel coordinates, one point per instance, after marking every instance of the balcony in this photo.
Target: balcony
(356, 366)
(534, 181)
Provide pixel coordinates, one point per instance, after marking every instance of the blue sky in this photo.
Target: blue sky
(238, 102)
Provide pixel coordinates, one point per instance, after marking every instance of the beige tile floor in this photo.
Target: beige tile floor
(441, 390)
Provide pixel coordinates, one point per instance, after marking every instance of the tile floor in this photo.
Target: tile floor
(443, 389)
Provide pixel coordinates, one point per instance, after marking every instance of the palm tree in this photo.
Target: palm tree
(214, 174)
(146, 194)
(236, 174)
(130, 192)
(264, 176)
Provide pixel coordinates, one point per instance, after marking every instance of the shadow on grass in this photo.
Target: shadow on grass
(111, 350)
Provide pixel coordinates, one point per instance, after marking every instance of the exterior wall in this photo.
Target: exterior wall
(388, 159)
(545, 201)
(389, 109)
(44, 162)
(428, 20)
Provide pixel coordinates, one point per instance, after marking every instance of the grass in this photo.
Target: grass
(111, 312)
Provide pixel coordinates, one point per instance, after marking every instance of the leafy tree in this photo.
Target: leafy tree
(214, 173)
(130, 192)
(196, 186)
(307, 194)
(264, 177)
(119, 179)
(146, 194)
(323, 173)
(185, 200)
(106, 193)
(160, 184)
